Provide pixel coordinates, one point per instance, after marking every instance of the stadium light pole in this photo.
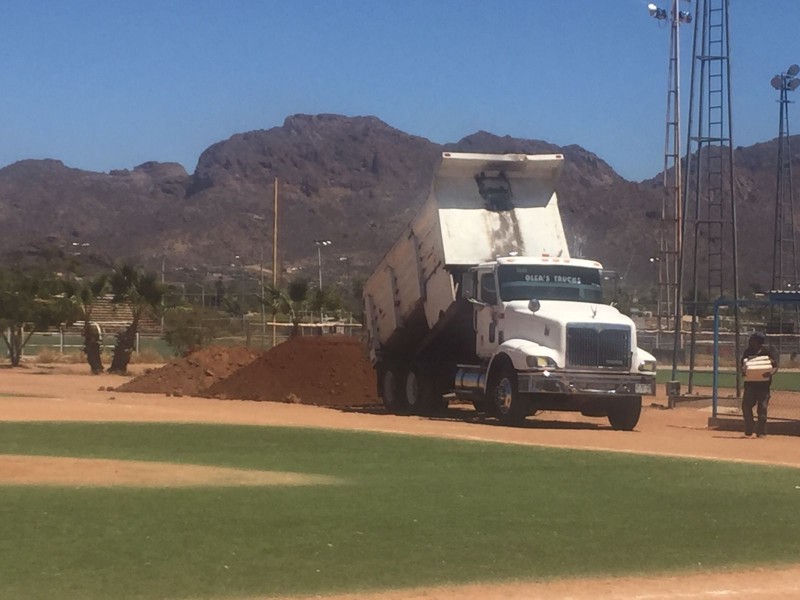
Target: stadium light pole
(784, 257)
(240, 263)
(670, 267)
(319, 244)
(346, 261)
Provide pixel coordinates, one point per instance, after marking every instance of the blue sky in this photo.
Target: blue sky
(109, 84)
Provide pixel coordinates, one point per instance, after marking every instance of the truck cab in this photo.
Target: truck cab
(544, 334)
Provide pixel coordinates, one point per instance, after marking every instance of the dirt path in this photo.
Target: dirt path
(65, 393)
(763, 584)
(82, 472)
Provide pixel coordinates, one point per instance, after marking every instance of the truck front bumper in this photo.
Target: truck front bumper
(553, 382)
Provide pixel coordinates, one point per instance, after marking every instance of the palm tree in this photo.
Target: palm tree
(275, 301)
(142, 291)
(298, 294)
(85, 295)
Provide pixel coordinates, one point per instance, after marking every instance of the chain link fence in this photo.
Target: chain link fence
(778, 318)
(249, 330)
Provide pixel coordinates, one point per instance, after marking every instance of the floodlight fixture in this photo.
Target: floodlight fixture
(661, 14)
(656, 12)
(787, 81)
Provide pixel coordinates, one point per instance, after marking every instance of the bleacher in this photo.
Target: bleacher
(112, 317)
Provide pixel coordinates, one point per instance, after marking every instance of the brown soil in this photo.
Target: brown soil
(190, 375)
(65, 471)
(761, 584)
(323, 371)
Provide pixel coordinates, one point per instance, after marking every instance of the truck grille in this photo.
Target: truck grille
(588, 346)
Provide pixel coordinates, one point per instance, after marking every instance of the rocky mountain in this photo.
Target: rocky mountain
(354, 181)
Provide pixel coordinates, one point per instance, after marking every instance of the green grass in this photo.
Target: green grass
(782, 380)
(413, 511)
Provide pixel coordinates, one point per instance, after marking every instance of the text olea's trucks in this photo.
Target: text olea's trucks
(479, 297)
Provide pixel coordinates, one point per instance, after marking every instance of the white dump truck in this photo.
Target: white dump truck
(479, 297)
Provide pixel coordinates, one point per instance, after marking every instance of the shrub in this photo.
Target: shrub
(189, 327)
(50, 356)
(147, 356)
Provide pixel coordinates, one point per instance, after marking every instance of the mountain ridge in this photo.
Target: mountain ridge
(354, 180)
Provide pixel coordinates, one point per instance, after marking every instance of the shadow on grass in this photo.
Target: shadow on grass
(464, 414)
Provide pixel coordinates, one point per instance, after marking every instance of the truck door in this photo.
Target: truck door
(486, 326)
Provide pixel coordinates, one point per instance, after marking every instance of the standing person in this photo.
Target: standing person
(756, 393)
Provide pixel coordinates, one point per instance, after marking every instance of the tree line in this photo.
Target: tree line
(35, 300)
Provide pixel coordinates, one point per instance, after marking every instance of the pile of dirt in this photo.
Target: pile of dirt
(323, 371)
(190, 375)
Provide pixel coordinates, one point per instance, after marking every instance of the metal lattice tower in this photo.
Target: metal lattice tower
(784, 256)
(709, 253)
(670, 234)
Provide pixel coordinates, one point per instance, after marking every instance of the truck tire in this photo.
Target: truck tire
(414, 392)
(421, 394)
(504, 398)
(481, 404)
(392, 392)
(623, 412)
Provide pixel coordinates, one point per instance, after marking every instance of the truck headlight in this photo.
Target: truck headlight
(647, 365)
(541, 362)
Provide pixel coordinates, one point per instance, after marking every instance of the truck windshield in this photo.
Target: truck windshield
(549, 282)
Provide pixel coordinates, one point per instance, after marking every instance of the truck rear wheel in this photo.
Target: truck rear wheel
(421, 394)
(414, 395)
(480, 404)
(624, 412)
(391, 391)
(504, 398)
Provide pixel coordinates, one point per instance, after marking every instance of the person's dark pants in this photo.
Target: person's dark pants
(758, 396)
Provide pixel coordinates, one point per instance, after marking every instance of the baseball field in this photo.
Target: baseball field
(124, 495)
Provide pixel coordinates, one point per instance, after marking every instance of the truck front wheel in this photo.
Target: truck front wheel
(504, 398)
(623, 412)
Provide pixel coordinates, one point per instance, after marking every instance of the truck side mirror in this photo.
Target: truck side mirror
(468, 285)
(534, 305)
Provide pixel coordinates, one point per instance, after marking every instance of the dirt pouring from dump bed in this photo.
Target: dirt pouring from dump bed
(320, 370)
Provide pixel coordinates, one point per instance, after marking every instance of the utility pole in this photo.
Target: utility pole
(163, 268)
(263, 299)
(274, 253)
